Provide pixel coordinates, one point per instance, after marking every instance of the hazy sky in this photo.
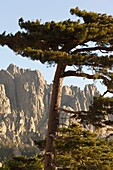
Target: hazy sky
(46, 10)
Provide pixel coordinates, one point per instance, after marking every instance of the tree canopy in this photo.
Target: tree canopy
(72, 42)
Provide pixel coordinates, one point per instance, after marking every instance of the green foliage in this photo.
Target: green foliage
(92, 17)
(80, 149)
(25, 163)
(5, 168)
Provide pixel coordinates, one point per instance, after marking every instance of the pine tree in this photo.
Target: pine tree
(83, 43)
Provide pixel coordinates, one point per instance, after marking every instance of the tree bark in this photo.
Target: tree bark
(53, 121)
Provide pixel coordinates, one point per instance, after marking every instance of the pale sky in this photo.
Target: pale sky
(46, 10)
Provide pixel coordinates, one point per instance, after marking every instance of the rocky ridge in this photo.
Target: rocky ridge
(24, 105)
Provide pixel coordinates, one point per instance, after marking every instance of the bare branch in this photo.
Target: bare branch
(93, 49)
(81, 74)
(107, 91)
(72, 112)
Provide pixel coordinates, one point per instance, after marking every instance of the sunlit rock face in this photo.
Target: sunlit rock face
(5, 106)
(24, 105)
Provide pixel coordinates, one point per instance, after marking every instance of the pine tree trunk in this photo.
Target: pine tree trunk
(53, 121)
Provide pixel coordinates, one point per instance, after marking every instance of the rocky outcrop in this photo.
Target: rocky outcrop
(5, 106)
(24, 105)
